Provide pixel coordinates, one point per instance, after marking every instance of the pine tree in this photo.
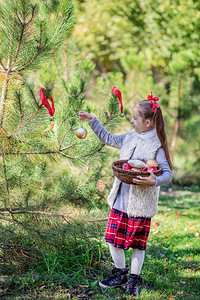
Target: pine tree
(29, 141)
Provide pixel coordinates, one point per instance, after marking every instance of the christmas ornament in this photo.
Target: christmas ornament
(51, 118)
(81, 132)
(119, 96)
(53, 127)
(151, 169)
(43, 96)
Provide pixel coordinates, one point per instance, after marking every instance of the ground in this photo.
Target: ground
(171, 269)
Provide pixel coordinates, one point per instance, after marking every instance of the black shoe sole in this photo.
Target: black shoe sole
(108, 287)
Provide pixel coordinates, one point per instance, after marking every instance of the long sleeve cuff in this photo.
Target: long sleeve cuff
(160, 180)
(92, 121)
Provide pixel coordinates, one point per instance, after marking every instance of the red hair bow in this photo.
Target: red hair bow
(46, 103)
(152, 100)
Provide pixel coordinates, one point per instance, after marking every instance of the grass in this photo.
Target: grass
(71, 267)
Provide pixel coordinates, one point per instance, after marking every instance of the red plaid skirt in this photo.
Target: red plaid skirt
(125, 232)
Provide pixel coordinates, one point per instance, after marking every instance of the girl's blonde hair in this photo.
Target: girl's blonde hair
(145, 108)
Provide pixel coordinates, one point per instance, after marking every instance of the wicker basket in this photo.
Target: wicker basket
(126, 175)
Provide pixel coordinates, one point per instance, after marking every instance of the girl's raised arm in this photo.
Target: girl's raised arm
(103, 135)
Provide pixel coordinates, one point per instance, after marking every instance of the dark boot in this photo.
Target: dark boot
(133, 285)
(118, 278)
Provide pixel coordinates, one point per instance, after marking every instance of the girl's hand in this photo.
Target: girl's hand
(83, 115)
(150, 180)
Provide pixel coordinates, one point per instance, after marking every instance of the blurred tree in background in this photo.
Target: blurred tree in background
(155, 45)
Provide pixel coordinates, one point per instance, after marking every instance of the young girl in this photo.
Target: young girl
(132, 206)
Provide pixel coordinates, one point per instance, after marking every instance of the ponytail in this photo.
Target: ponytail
(160, 129)
(157, 117)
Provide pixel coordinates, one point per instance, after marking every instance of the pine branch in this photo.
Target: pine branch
(7, 135)
(39, 47)
(2, 66)
(108, 118)
(6, 229)
(100, 220)
(10, 245)
(6, 219)
(19, 45)
(4, 170)
(56, 65)
(21, 224)
(36, 212)
(51, 214)
(85, 181)
(60, 26)
(34, 115)
(21, 114)
(11, 42)
(23, 25)
(81, 156)
(34, 152)
(65, 60)
(24, 124)
(4, 95)
(56, 151)
(69, 146)
(31, 18)
(64, 136)
(30, 91)
(7, 75)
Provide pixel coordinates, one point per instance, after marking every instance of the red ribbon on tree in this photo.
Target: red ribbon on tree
(119, 96)
(152, 100)
(46, 103)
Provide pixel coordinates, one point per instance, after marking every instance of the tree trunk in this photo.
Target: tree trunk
(176, 128)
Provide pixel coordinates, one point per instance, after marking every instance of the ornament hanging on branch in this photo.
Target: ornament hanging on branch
(119, 96)
(44, 95)
(81, 132)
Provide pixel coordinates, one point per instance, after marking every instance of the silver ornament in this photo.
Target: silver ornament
(81, 132)
(51, 118)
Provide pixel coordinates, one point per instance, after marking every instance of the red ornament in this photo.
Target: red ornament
(126, 166)
(119, 96)
(151, 169)
(46, 103)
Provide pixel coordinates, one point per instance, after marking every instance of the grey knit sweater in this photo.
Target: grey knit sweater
(116, 141)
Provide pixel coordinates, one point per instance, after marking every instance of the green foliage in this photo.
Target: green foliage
(31, 146)
(156, 29)
(28, 34)
(75, 257)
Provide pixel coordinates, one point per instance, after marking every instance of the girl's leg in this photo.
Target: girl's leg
(137, 260)
(119, 273)
(135, 280)
(118, 256)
